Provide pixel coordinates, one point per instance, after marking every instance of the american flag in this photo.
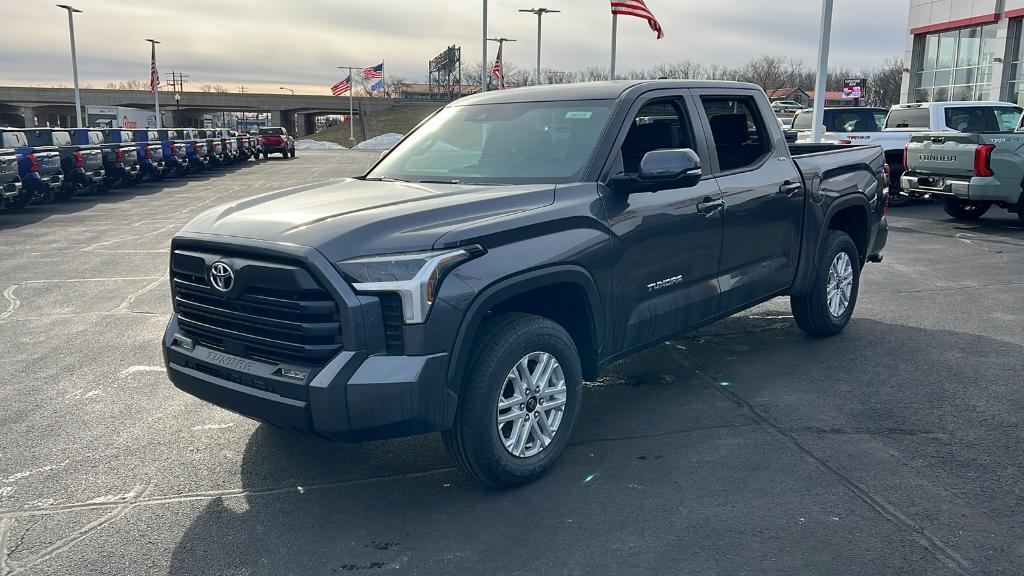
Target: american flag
(639, 9)
(497, 70)
(373, 72)
(342, 87)
(154, 76)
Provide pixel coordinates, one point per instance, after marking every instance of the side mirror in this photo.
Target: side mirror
(661, 170)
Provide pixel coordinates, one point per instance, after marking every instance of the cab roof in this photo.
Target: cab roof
(605, 90)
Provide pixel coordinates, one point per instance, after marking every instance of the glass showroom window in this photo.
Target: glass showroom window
(1016, 57)
(956, 65)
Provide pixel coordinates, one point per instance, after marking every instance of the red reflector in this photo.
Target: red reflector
(33, 163)
(79, 159)
(983, 159)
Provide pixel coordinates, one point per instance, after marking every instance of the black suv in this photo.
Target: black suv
(507, 250)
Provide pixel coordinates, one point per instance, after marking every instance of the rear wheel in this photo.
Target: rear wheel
(826, 308)
(519, 401)
(20, 201)
(965, 209)
(68, 191)
(292, 153)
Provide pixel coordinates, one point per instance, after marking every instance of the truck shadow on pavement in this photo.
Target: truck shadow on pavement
(673, 458)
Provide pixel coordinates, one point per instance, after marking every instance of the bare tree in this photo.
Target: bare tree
(885, 83)
(772, 72)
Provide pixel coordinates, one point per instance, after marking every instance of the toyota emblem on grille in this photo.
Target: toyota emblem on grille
(221, 276)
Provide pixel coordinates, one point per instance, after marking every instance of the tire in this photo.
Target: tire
(44, 197)
(813, 311)
(964, 209)
(20, 201)
(899, 199)
(68, 191)
(265, 155)
(475, 442)
(292, 153)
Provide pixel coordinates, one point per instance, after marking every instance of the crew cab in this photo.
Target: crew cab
(41, 174)
(505, 251)
(120, 161)
(275, 139)
(905, 120)
(153, 152)
(82, 164)
(121, 157)
(150, 154)
(970, 171)
(10, 178)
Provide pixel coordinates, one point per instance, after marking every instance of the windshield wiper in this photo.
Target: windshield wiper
(384, 179)
(455, 181)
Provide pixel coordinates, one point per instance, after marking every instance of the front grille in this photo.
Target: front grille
(275, 312)
(394, 333)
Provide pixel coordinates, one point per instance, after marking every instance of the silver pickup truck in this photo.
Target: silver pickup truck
(969, 171)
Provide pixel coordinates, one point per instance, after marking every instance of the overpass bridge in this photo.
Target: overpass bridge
(28, 106)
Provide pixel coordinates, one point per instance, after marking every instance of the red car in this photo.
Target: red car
(276, 140)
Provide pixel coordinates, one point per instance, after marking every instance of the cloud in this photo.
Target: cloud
(300, 43)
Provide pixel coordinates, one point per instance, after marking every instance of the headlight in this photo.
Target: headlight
(416, 277)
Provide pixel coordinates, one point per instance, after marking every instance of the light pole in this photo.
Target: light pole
(288, 89)
(351, 120)
(74, 59)
(540, 12)
(153, 76)
(501, 58)
(483, 62)
(824, 38)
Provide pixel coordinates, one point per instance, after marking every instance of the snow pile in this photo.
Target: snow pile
(317, 145)
(382, 142)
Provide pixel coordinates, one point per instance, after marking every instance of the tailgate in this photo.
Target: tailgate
(948, 154)
(49, 162)
(93, 159)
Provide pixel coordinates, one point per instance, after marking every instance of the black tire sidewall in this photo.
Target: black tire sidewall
(837, 242)
(494, 360)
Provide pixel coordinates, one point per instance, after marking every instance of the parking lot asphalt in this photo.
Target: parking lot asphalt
(747, 448)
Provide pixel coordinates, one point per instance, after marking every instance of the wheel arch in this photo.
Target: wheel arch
(565, 294)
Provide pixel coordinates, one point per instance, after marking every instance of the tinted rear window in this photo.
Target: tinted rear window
(908, 118)
(271, 131)
(61, 138)
(95, 137)
(14, 140)
(803, 121)
(862, 120)
(126, 136)
(983, 118)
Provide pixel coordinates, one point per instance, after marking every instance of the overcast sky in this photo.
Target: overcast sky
(298, 43)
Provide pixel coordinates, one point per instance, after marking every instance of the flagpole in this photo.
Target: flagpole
(483, 63)
(156, 87)
(351, 122)
(383, 84)
(615, 27)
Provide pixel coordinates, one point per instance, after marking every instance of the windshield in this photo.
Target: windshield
(983, 118)
(514, 143)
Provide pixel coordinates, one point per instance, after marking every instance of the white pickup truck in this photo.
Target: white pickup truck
(892, 129)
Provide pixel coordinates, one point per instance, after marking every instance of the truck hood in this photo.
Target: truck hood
(351, 217)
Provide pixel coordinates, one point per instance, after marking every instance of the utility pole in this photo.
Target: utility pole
(540, 12)
(501, 55)
(74, 60)
(351, 120)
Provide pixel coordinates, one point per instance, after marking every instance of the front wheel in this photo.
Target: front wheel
(826, 308)
(519, 402)
(965, 209)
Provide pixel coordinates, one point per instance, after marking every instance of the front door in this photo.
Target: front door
(666, 244)
(763, 194)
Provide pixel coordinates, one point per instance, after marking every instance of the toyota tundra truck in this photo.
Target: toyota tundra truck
(276, 140)
(971, 171)
(507, 250)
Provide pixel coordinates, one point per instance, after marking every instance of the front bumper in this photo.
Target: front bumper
(361, 393)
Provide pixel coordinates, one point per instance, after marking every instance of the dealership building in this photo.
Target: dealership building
(964, 50)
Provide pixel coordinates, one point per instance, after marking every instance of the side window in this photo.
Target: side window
(658, 125)
(741, 139)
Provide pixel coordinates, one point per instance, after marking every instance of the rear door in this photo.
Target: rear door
(666, 244)
(763, 194)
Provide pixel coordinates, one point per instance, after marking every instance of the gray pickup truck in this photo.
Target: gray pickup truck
(970, 171)
(511, 246)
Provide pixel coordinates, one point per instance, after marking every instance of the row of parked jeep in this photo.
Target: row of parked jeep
(38, 165)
